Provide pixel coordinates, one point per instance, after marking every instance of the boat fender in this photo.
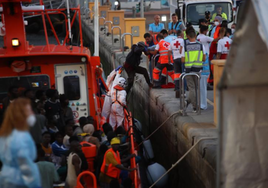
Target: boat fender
(138, 124)
(148, 151)
(155, 171)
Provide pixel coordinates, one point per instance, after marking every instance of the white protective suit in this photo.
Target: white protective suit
(118, 101)
(111, 80)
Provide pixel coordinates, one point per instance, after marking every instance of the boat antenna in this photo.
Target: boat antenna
(69, 23)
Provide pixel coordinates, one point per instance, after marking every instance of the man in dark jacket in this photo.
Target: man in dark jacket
(132, 63)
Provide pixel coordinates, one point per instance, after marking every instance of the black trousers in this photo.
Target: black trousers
(178, 71)
(131, 72)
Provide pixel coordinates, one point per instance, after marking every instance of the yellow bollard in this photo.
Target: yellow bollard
(117, 17)
(103, 13)
(135, 26)
(217, 73)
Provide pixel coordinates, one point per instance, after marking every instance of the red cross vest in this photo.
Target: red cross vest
(163, 51)
(111, 171)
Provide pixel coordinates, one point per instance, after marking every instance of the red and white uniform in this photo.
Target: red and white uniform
(224, 46)
(177, 48)
(205, 40)
(162, 47)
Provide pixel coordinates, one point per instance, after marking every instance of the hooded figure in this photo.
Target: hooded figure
(111, 80)
(118, 103)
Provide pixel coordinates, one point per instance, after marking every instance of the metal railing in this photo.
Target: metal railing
(182, 91)
(112, 30)
(103, 28)
(105, 24)
(123, 41)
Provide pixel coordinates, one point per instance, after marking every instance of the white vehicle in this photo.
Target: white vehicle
(193, 10)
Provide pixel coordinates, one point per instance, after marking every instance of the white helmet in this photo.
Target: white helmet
(122, 82)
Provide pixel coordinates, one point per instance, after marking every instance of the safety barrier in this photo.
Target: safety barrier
(182, 91)
(112, 30)
(104, 25)
(123, 41)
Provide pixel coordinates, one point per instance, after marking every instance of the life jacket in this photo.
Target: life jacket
(117, 88)
(111, 171)
(178, 23)
(163, 51)
(213, 47)
(193, 57)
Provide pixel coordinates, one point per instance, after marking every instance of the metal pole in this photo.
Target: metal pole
(142, 8)
(220, 130)
(198, 96)
(69, 22)
(96, 28)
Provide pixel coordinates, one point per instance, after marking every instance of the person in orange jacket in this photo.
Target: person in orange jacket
(165, 60)
(112, 164)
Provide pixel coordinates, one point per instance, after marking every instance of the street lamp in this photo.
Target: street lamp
(164, 19)
(117, 5)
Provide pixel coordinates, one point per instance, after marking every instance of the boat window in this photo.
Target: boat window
(72, 87)
(37, 82)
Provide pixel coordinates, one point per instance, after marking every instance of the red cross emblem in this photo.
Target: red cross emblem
(177, 44)
(227, 45)
(166, 45)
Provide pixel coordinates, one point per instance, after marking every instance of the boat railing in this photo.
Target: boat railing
(30, 11)
(134, 174)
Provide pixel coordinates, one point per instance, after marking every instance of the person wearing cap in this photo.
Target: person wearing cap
(112, 164)
(219, 11)
(207, 16)
(216, 26)
(132, 63)
(215, 33)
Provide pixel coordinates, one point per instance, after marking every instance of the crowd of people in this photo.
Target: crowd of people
(41, 144)
(180, 50)
(41, 141)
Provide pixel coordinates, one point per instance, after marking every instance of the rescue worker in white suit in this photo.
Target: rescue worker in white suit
(112, 79)
(118, 97)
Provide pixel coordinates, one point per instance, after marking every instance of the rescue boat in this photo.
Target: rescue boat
(69, 69)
